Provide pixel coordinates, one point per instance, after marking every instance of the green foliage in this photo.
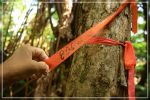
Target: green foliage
(139, 42)
(140, 48)
(0, 2)
(55, 16)
(142, 91)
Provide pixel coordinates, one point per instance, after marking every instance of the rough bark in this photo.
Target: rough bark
(98, 70)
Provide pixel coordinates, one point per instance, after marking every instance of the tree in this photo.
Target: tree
(94, 70)
(98, 70)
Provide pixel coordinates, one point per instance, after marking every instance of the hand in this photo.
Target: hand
(25, 61)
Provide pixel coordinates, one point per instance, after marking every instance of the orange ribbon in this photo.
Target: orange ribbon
(129, 60)
(61, 55)
(74, 45)
(134, 10)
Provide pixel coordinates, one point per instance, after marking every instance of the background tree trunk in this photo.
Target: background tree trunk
(98, 70)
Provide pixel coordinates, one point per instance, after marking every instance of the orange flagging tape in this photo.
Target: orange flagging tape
(87, 37)
(129, 60)
(134, 10)
(74, 45)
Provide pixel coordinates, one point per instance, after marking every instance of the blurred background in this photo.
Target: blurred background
(34, 22)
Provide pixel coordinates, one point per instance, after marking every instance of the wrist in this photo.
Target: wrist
(3, 75)
(7, 75)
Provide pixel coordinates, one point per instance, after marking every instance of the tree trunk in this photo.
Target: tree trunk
(98, 70)
(95, 70)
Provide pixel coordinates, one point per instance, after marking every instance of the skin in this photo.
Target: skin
(26, 61)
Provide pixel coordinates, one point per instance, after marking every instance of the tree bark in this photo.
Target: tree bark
(98, 70)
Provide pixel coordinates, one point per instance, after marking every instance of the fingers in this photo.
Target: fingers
(37, 67)
(40, 67)
(35, 76)
(38, 53)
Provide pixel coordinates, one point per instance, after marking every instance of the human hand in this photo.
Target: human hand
(25, 62)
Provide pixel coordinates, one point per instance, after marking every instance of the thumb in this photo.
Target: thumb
(40, 67)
